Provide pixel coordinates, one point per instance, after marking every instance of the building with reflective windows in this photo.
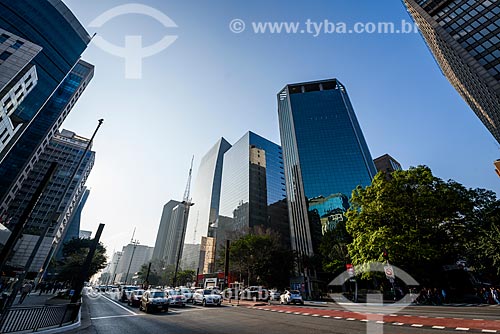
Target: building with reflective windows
(203, 215)
(163, 229)
(17, 79)
(325, 158)
(66, 148)
(464, 37)
(253, 194)
(50, 25)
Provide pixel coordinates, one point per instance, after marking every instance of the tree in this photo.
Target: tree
(261, 260)
(74, 254)
(333, 249)
(160, 274)
(421, 221)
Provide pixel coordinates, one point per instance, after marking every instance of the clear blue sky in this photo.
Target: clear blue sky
(212, 82)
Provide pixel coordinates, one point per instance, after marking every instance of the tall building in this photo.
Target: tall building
(17, 79)
(163, 229)
(325, 157)
(133, 256)
(203, 214)
(170, 239)
(66, 148)
(253, 194)
(50, 25)
(464, 37)
(497, 166)
(56, 110)
(387, 164)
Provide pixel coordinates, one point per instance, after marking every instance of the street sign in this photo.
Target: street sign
(350, 270)
(389, 272)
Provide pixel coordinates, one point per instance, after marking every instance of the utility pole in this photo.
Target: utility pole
(78, 285)
(186, 202)
(135, 243)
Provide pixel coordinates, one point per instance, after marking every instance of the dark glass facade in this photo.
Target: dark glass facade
(464, 37)
(253, 194)
(325, 157)
(52, 26)
(203, 214)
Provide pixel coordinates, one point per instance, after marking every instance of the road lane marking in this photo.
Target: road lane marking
(461, 329)
(438, 327)
(417, 325)
(121, 306)
(115, 316)
(489, 331)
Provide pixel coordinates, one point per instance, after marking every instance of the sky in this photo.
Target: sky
(213, 82)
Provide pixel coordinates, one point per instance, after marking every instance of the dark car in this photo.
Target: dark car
(154, 300)
(135, 297)
(126, 290)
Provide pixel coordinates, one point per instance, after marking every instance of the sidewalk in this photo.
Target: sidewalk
(33, 299)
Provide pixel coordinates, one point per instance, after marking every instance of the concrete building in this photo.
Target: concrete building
(163, 230)
(132, 258)
(66, 148)
(387, 164)
(464, 37)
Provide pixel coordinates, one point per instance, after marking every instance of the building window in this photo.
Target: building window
(3, 38)
(17, 45)
(4, 55)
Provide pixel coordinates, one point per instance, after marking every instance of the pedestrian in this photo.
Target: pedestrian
(494, 295)
(25, 290)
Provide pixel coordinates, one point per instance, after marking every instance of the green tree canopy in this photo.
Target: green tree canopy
(422, 221)
(74, 254)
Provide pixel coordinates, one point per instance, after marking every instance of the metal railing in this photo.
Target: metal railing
(35, 318)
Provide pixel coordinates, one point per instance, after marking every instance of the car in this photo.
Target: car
(135, 297)
(154, 300)
(255, 293)
(126, 290)
(188, 293)
(176, 298)
(207, 297)
(291, 296)
(274, 294)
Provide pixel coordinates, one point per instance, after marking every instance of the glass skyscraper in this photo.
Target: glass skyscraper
(50, 25)
(203, 215)
(325, 157)
(253, 194)
(464, 37)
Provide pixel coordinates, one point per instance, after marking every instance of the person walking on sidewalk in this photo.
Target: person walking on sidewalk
(25, 290)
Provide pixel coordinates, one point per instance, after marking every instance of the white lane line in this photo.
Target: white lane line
(489, 330)
(417, 325)
(337, 317)
(398, 323)
(315, 315)
(115, 316)
(326, 316)
(461, 329)
(350, 319)
(306, 313)
(438, 327)
(120, 306)
(364, 320)
(478, 319)
(379, 322)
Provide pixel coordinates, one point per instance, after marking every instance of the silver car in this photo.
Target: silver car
(207, 297)
(291, 296)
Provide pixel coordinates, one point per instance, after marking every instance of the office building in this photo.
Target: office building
(325, 157)
(17, 79)
(66, 148)
(253, 194)
(203, 215)
(85, 234)
(50, 25)
(464, 37)
(387, 164)
(57, 108)
(133, 256)
(497, 166)
(163, 230)
(170, 237)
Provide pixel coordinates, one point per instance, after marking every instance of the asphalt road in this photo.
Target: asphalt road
(104, 315)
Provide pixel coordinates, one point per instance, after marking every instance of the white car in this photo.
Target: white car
(291, 296)
(187, 293)
(206, 297)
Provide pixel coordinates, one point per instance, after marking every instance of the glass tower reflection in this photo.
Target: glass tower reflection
(325, 157)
